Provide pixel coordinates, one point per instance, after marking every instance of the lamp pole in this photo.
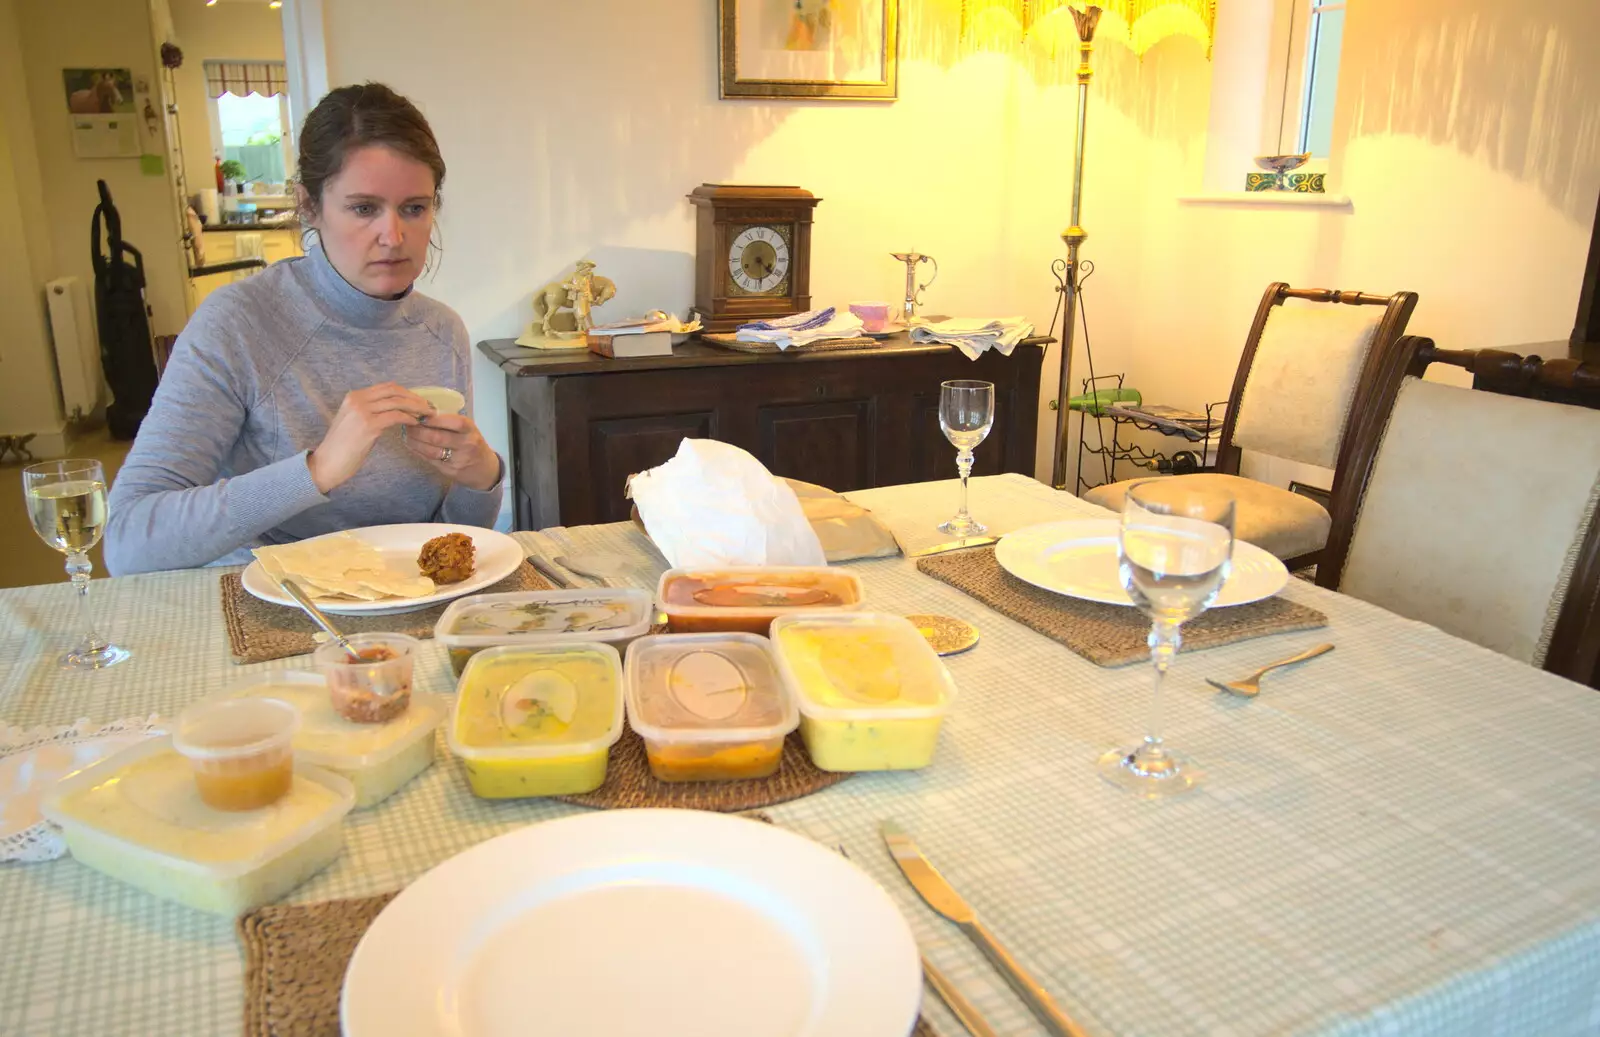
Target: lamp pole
(1074, 236)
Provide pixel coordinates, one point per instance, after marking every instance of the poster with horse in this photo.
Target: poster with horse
(99, 91)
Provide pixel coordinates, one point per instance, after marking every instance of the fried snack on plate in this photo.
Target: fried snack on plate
(448, 558)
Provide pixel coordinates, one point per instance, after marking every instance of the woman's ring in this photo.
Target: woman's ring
(448, 451)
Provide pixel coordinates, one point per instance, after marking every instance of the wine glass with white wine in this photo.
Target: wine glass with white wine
(67, 505)
(966, 414)
(1174, 553)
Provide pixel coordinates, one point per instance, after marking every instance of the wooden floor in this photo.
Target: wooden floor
(28, 560)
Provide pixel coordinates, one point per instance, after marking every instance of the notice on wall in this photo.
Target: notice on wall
(105, 136)
(100, 101)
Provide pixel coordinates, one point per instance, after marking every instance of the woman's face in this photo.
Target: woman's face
(375, 218)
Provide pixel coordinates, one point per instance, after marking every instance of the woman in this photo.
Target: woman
(284, 413)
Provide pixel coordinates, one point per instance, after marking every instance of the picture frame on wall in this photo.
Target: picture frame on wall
(842, 50)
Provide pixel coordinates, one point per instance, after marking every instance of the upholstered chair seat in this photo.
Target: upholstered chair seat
(1299, 380)
(1284, 524)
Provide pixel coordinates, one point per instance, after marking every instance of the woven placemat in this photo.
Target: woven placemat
(822, 345)
(1106, 635)
(259, 631)
(629, 782)
(295, 956)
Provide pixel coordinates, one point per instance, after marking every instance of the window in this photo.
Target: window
(1274, 79)
(1308, 35)
(249, 117)
(1325, 36)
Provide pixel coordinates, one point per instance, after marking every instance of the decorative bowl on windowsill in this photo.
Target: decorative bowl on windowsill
(1279, 178)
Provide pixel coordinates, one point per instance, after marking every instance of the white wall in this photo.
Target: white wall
(222, 32)
(28, 399)
(60, 34)
(1471, 145)
(1467, 135)
(574, 130)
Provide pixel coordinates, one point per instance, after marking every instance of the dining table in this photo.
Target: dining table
(1399, 837)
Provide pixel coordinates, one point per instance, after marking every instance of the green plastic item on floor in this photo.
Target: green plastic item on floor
(1095, 402)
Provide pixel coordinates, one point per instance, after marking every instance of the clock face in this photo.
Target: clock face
(758, 260)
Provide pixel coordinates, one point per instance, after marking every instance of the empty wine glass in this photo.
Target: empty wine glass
(1175, 549)
(67, 506)
(966, 413)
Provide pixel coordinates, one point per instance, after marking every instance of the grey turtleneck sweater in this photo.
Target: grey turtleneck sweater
(219, 465)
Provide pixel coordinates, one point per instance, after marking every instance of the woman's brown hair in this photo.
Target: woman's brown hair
(358, 116)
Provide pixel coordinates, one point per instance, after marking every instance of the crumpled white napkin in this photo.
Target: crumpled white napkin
(33, 760)
(714, 504)
(973, 335)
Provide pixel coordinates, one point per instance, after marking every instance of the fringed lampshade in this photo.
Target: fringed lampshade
(1140, 24)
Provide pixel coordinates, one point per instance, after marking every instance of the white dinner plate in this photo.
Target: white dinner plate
(1078, 558)
(497, 557)
(626, 922)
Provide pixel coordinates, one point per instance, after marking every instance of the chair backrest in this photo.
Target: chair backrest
(1305, 370)
(1474, 509)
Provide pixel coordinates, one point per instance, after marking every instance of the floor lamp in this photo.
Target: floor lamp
(1147, 22)
(1086, 21)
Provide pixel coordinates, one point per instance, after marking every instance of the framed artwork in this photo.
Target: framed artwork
(845, 50)
(98, 91)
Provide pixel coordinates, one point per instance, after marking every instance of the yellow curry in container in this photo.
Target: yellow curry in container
(872, 693)
(710, 707)
(537, 721)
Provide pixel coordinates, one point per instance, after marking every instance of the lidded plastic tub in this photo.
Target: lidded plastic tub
(377, 759)
(872, 693)
(137, 816)
(750, 598)
(710, 707)
(471, 624)
(538, 720)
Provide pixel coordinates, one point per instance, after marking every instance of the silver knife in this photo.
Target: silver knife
(954, 545)
(964, 1011)
(549, 572)
(933, 888)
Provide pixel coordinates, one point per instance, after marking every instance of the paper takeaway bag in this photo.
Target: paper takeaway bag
(715, 505)
(842, 530)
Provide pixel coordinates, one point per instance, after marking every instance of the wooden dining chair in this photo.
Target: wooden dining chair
(1474, 509)
(1305, 369)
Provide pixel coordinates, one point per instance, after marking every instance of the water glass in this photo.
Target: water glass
(67, 506)
(1174, 551)
(966, 414)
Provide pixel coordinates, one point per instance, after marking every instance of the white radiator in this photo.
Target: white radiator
(77, 355)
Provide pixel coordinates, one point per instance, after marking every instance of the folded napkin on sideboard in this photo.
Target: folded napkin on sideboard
(811, 326)
(973, 335)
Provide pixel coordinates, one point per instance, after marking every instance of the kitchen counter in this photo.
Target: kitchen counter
(285, 223)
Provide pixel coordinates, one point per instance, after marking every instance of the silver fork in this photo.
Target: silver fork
(1249, 687)
(964, 1011)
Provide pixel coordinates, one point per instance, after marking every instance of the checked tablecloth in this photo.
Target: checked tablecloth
(1400, 837)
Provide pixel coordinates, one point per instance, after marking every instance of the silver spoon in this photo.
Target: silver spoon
(304, 601)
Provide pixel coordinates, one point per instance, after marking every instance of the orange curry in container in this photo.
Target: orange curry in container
(749, 598)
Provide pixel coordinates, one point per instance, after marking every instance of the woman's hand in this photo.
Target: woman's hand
(363, 416)
(454, 446)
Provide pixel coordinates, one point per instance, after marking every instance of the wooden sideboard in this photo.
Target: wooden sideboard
(581, 424)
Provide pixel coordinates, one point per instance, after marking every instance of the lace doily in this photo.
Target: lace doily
(33, 759)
